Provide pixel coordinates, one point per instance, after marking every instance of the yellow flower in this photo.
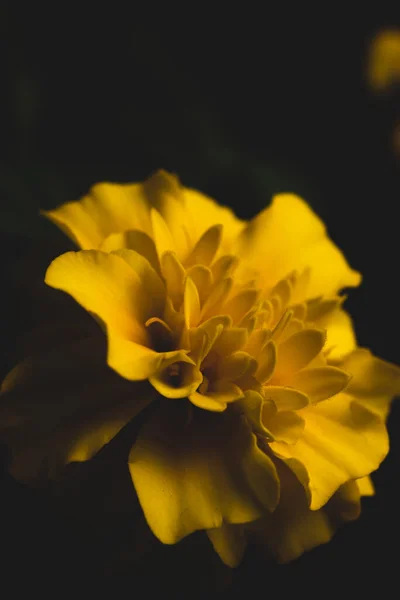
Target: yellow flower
(384, 60)
(266, 416)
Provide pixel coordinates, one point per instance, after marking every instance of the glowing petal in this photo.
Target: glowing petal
(108, 208)
(133, 361)
(320, 383)
(286, 426)
(191, 303)
(340, 337)
(216, 298)
(365, 486)
(152, 286)
(174, 275)
(240, 304)
(203, 213)
(105, 286)
(206, 248)
(288, 236)
(161, 233)
(202, 278)
(341, 441)
(285, 398)
(299, 350)
(133, 240)
(371, 376)
(224, 267)
(177, 376)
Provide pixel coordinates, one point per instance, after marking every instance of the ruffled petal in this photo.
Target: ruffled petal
(341, 440)
(374, 381)
(107, 209)
(289, 236)
(186, 480)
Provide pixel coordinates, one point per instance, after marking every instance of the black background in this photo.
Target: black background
(241, 105)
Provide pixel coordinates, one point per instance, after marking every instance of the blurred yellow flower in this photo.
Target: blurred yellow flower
(384, 60)
(267, 419)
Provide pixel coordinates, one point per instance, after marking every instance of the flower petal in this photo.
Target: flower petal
(286, 426)
(320, 383)
(266, 362)
(152, 286)
(285, 398)
(203, 212)
(205, 249)
(289, 236)
(207, 402)
(105, 286)
(65, 404)
(236, 365)
(240, 304)
(133, 240)
(299, 350)
(229, 542)
(341, 440)
(230, 340)
(216, 298)
(221, 477)
(365, 486)
(174, 275)
(191, 304)
(108, 208)
(371, 376)
(161, 234)
(340, 336)
(292, 528)
(177, 376)
(202, 278)
(134, 361)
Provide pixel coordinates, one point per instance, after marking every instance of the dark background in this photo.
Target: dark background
(241, 106)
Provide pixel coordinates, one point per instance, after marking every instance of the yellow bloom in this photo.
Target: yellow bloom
(267, 417)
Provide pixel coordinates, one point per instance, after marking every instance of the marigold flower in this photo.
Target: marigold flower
(267, 419)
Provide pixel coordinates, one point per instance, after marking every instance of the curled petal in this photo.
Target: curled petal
(342, 440)
(177, 376)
